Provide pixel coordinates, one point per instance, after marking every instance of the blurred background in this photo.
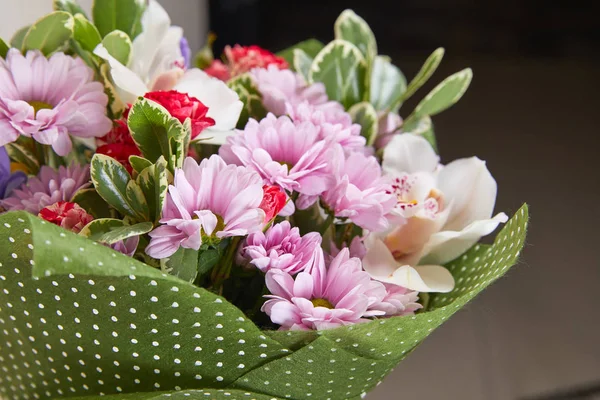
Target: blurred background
(534, 335)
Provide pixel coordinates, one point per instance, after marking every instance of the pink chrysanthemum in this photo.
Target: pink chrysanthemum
(356, 248)
(322, 298)
(284, 153)
(333, 122)
(281, 86)
(207, 202)
(397, 301)
(359, 194)
(48, 99)
(49, 187)
(281, 247)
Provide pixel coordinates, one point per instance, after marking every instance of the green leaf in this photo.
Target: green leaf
(342, 69)
(208, 260)
(85, 33)
(428, 68)
(422, 127)
(70, 6)
(156, 133)
(139, 163)
(22, 155)
(99, 227)
(365, 115)
(117, 234)
(311, 47)
(49, 33)
(118, 45)
(302, 63)
(387, 86)
(249, 94)
(3, 48)
(123, 15)
(154, 183)
(110, 179)
(446, 94)
(17, 40)
(136, 198)
(352, 28)
(184, 264)
(91, 202)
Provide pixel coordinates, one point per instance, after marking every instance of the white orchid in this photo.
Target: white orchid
(441, 212)
(156, 63)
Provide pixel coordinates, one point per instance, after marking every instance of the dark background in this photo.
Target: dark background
(531, 113)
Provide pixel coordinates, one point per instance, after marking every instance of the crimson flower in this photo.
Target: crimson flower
(67, 215)
(182, 106)
(241, 59)
(273, 201)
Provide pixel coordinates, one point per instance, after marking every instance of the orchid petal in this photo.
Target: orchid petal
(128, 84)
(409, 153)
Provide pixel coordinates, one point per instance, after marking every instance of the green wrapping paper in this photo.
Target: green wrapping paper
(80, 320)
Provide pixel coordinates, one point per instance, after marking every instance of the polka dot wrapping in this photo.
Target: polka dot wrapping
(78, 319)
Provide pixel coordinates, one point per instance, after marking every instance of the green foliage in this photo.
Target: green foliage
(132, 320)
(17, 39)
(183, 264)
(444, 95)
(154, 182)
(70, 6)
(158, 134)
(21, 154)
(302, 63)
(110, 230)
(113, 183)
(90, 201)
(246, 89)
(139, 163)
(352, 28)
(122, 15)
(3, 48)
(85, 33)
(311, 47)
(342, 68)
(388, 84)
(365, 115)
(118, 45)
(428, 68)
(49, 33)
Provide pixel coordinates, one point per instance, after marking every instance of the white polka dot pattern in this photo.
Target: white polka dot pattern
(77, 319)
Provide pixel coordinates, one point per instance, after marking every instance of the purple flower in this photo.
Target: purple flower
(281, 247)
(186, 52)
(281, 86)
(333, 122)
(290, 155)
(8, 180)
(207, 202)
(48, 99)
(321, 298)
(127, 246)
(49, 187)
(359, 194)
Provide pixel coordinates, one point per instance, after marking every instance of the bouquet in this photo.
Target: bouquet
(256, 226)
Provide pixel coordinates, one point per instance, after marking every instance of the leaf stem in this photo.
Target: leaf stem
(222, 271)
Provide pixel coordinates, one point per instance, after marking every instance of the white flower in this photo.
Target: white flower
(156, 63)
(441, 212)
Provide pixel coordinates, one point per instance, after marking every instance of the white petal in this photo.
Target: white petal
(128, 84)
(445, 246)
(470, 189)
(424, 278)
(212, 136)
(378, 261)
(223, 103)
(409, 153)
(155, 26)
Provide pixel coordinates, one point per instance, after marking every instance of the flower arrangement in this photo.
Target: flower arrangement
(261, 226)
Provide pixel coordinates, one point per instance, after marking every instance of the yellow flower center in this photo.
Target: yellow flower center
(212, 238)
(40, 105)
(322, 303)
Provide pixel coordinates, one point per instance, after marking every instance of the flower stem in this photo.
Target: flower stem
(222, 271)
(326, 224)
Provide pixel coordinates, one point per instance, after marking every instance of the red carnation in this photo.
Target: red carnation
(273, 201)
(182, 106)
(66, 215)
(241, 59)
